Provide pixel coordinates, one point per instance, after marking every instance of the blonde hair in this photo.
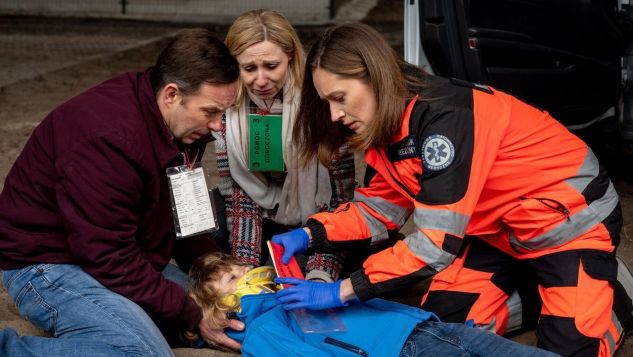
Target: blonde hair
(255, 26)
(209, 268)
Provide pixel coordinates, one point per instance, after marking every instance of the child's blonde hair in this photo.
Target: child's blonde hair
(206, 269)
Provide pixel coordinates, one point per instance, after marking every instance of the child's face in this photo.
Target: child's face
(227, 284)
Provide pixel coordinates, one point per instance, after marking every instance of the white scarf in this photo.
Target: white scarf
(304, 191)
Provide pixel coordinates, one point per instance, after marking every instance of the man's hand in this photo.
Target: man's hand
(212, 331)
(295, 241)
(309, 294)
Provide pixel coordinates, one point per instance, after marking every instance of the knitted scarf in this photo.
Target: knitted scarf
(304, 192)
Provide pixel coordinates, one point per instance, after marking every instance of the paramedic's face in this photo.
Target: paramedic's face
(264, 69)
(351, 100)
(227, 284)
(195, 115)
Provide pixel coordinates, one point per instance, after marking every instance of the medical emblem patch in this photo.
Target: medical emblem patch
(438, 152)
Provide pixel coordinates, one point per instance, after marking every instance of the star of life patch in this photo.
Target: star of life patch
(438, 152)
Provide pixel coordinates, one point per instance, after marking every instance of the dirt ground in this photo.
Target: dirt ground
(45, 62)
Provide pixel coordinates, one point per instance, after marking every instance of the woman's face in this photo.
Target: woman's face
(351, 101)
(264, 69)
(227, 284)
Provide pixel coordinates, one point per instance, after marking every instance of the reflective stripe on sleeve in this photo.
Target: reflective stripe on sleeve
(377, 229)
(390, 211)
(424, 248)
(441, 220)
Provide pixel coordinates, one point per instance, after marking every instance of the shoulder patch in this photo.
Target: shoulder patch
(438, 152)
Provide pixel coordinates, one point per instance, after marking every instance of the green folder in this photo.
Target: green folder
(266, 148)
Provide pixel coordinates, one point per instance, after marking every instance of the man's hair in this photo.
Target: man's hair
(192, 58)
(356, 51)
(255, 26)
(206, 269)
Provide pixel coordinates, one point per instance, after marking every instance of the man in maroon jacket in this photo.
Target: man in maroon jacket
(86, 223)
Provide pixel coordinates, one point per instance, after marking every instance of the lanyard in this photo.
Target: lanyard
(266, 111)
(188, 162)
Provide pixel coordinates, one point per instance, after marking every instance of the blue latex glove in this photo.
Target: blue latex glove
(295, 241)
(309, 294)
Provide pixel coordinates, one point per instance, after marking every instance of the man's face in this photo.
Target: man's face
(195, 115)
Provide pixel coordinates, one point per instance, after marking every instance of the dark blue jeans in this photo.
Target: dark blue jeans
(438, 339)
(86, 318)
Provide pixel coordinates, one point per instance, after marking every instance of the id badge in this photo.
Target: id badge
(266, 147)
(192, 208)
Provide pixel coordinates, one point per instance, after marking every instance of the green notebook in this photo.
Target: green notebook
(266, 148)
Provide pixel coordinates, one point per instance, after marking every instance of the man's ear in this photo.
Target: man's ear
(170, 94)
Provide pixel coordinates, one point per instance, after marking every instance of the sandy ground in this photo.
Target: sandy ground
(46, 62)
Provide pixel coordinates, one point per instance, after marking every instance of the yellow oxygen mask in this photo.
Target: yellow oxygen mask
(255, 281)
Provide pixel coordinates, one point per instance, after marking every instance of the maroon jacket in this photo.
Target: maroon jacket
(90, 189)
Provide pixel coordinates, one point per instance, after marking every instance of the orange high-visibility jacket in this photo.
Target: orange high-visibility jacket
(471, 160)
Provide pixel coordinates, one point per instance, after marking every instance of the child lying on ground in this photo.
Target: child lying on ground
(221, 285)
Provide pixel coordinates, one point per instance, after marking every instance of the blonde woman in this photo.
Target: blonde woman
(260, 204)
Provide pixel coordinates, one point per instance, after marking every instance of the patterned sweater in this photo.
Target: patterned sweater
(244, 216)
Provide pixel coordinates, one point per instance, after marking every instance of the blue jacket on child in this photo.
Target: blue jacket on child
(377, 327)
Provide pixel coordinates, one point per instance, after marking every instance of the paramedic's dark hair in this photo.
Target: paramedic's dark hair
(357, 51)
